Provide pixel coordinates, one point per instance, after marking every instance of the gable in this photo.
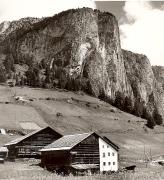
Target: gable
(34, 135)
(92, 139)
(45, 134)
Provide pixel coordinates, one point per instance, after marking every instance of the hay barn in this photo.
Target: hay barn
(87, 151)
(28, 146)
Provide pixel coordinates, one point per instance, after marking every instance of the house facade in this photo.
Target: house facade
(28, 146)
(87, 151)
(108, 156)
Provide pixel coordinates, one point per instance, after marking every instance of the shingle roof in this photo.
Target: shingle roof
(15, 141)
(66, 142)
(110, 143)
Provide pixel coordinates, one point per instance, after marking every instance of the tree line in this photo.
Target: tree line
(138, 108)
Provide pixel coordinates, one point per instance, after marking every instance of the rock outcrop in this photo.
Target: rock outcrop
(83, 44)
(8, 27)
(143, 82)
(159, 76)
(77, 50)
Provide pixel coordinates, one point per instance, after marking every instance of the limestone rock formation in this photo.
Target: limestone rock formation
(143, 82)
(83, 44)
(159, 76)
(77, 50)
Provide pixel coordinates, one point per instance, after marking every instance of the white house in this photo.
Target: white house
(108, 156)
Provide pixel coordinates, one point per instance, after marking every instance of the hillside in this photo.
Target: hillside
(70, 112)
(78, 49)
(73, 60)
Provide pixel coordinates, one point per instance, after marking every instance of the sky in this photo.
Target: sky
(141, 26)
(141, 23)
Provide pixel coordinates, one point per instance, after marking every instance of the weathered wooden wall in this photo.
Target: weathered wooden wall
(87, 152)
(30, 146)
(55, 159)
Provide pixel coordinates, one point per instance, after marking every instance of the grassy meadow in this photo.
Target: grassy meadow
(79, 113)
(30, 171)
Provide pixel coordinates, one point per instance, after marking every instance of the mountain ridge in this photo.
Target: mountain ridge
(79, 49)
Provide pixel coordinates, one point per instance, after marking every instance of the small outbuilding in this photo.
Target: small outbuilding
(87, 151)
(28, 146)
(3, 154)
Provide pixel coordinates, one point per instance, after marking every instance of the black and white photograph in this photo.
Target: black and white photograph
(81, 90)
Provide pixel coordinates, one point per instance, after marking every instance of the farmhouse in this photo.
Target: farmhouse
(81, 152)
(30, 144)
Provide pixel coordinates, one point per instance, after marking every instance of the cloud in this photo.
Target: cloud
(16, 9)
(143, 31)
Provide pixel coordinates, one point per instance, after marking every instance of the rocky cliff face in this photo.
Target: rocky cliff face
(83, 44)
(78, 50)
(159, 76)
(8, 27)
(143, 82)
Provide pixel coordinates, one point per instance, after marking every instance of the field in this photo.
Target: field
(72, 112)
(75, 112)
(30, 171)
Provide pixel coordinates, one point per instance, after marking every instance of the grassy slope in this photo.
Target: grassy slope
(20, 171)
(81, 113)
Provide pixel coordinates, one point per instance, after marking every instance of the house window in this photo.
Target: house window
(103, 146)
(103, 154)
(114, 163)
(113, 154)
(107, 146)
(109, 163)
(108, 153)
(104, 163)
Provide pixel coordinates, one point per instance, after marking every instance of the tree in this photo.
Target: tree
(157, 117)
(138, 108)
(104, 97)
(119, 100)
(128, 105)
(146, 114)
(150, 123)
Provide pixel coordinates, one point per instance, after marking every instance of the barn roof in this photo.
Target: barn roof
(15, 141)
(66, 142)
(69, 141)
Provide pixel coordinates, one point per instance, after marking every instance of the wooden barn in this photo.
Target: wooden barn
(29, 145)
(87, 151)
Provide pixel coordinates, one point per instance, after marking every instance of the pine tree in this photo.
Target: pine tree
(150, 123)
(128, 105)
(119, 100)
(138, 108)
(157, 117)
